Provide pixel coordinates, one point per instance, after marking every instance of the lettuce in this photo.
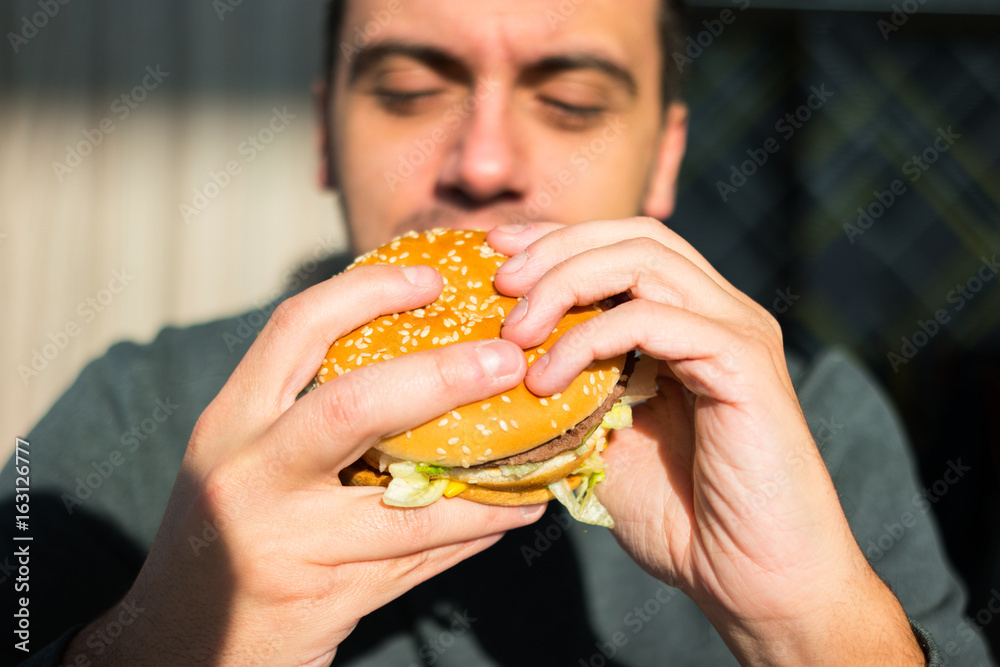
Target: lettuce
(619, 416)
(411, 488)
(583, 504)
(519, 471)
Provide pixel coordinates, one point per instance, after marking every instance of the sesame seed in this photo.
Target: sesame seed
(514, 424)
(488, 452)
(505, 398)
(453, 441)
(541, 350)
(487, 432)
(503, 425)
(486, 406)
(443, 422)
(466, 450)
(593, 380)
(566, 407)
(556, 397)
(554, 425)
(441, 451)
(543, 402)
(586, 390)
(349, 343)
(455, 414)
(351, 358)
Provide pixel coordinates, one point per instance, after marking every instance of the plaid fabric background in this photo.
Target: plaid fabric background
(914, 268)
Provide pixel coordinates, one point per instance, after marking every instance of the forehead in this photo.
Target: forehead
(515, 32)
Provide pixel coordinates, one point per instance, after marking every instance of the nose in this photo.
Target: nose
(482, 165)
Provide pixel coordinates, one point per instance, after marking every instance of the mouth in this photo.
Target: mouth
(450, 219)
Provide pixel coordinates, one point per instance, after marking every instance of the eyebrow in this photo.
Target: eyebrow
(452, 67)
(581, 61)
(435, 58)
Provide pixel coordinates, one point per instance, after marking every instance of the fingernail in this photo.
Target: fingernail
(513, 264)
(421, 276)
(532, 512)
(511, 228)
(498, 359)
(538, 367)
(517, 314)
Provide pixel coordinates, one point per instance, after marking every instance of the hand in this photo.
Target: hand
(784, 583)
(262, 555)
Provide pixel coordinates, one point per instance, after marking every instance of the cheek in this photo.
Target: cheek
(382, 167)
(606, 179)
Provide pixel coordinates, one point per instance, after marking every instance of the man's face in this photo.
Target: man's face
(473, 114)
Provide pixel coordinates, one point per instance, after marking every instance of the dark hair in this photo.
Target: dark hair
(671, 25)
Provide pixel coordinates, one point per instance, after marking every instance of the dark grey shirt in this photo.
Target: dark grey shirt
(103, 462)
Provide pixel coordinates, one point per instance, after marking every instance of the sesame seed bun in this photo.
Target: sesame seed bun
(470, 308)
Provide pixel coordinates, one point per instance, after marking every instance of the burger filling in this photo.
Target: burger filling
(415, 484)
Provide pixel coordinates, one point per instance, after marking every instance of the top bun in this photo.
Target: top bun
(469, 308)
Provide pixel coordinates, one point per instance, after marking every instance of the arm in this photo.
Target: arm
(785, 585)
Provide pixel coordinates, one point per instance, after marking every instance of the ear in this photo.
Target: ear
(321, 98)
(661, 196)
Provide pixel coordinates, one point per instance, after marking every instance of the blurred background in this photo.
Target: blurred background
(158, 166)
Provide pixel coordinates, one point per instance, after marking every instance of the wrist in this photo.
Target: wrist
(857, 621)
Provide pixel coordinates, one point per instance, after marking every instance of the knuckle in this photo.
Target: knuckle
(345, 404)
(414, 527)
(451, 375)
(291, 314)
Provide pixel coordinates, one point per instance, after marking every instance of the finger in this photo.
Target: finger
(542, 252)
(381, 532)
(293, 343)
(331, 427)
(391, 578)
(641, 267)
(702, 352)
(512, 239)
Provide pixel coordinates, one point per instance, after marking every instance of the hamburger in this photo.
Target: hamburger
(514, 448)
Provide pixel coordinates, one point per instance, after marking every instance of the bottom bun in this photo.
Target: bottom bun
(360, 473)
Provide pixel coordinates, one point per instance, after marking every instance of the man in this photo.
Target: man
(719, 490)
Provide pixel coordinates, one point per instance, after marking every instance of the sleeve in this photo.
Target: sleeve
(866, 450)
(102, 465)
